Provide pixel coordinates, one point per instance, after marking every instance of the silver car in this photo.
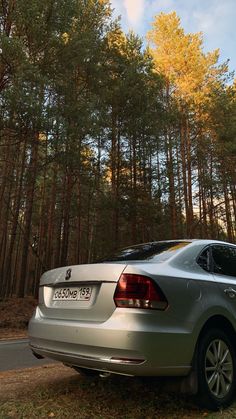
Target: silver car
(156, 309)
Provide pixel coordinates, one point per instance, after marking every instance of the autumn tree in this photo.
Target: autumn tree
(191, 75)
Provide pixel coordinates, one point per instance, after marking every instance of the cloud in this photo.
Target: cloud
(157, 6)
(214, 18)
(134, 10)
(217, 21)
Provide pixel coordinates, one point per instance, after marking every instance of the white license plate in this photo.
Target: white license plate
(72, 294)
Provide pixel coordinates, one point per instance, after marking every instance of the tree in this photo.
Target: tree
(190, 76)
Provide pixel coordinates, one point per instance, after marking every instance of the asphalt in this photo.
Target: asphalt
(16, 354)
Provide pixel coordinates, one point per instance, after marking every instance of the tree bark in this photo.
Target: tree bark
(32, 171)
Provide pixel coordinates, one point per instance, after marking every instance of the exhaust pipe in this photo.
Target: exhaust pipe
(37, 355)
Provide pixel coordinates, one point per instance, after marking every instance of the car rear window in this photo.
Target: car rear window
(154, 251)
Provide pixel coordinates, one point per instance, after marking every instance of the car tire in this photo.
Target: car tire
(216, 370)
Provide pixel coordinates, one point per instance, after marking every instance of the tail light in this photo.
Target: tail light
(138, 291)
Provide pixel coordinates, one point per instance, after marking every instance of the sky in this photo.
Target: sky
(215, 18)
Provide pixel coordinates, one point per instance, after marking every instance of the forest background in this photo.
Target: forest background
(105, 142)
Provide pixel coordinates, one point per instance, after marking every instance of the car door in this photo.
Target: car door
(224, 271)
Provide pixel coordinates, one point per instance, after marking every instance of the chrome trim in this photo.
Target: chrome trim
(91, 358)
(74, 283)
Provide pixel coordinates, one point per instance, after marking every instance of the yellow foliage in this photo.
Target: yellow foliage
(65, 38)
(234, 85)
(74, 24)
(117, 40)
(87, 154)
(180, 57)
(42, 136)
(107, 6)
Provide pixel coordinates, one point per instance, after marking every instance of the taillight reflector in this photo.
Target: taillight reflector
(139, 291)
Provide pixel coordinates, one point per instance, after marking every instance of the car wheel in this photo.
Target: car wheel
(216, 368)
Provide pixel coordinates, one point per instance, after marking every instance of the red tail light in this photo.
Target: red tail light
(138, 291)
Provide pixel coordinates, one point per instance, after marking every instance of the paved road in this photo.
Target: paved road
(16, 354)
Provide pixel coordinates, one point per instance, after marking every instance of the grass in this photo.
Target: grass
(14, 316)
(58, 392)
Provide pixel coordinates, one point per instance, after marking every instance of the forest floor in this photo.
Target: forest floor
(56, 391)
(14, 316)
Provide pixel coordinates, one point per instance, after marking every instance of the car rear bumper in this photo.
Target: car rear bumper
(121, 345)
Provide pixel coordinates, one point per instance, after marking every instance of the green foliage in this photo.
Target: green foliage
(105, 143)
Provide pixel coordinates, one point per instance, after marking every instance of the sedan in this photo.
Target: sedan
(164, 308)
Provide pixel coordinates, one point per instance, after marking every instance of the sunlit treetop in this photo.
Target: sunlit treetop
(180, 56)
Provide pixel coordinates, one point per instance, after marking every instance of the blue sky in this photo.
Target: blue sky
(215, 18)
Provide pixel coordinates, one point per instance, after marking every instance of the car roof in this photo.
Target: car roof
(199, 241)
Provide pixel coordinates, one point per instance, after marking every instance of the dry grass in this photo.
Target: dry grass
(59, 392)
(14, 316)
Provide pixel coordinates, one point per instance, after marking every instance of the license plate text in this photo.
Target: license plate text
(71, 294)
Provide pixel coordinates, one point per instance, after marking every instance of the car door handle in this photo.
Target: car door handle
(230, 292)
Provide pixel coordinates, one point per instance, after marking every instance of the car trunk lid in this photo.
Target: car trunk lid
(80, 292)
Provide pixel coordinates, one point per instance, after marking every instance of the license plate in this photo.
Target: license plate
(72, 294)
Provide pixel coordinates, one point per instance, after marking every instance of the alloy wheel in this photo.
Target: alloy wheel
(218, 368)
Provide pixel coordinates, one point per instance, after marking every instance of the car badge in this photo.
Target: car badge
(68, 274)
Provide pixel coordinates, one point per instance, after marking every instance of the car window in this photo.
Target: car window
(154, 251)
(204, 260)
(224, 260)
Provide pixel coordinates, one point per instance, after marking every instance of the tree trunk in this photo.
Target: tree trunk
(32, 171)
(15, 221)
